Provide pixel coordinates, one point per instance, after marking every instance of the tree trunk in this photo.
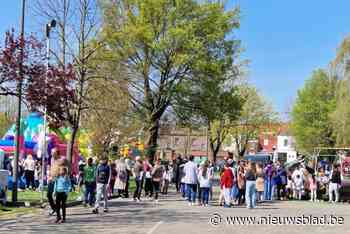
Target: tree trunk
(70, 147)
(153, 131)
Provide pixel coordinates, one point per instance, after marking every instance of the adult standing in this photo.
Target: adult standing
(120, 182)
(281, 188)
(176, 172)
(29, 169)
(138, 174)
(191, 180)
(250, 194)
(147, 167)
(112, 180)
(90, 182)
(103, 175)
(157, 174)
(268, 171)
(128, 164)
(52, 173)
(334, 184)
(260, 177)
(226, 184)
(241, 184)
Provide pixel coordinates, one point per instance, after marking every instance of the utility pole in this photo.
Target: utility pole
(19, 109)
(49, 26)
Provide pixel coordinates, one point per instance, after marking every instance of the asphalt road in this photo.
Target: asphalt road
(172, 215)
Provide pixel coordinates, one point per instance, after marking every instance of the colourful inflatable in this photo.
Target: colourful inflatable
(31, 135)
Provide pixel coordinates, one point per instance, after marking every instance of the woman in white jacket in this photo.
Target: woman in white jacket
(204, 178)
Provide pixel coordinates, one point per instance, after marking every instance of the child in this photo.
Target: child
(204, 184)
(289, 187)
(61, 188)
(298, 187)
(313, 188)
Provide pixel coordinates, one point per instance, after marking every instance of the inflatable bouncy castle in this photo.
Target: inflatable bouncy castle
(31, 140)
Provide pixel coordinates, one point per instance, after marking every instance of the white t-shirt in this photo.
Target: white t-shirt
(29, 164)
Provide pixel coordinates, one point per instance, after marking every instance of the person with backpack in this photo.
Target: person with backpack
(103, 174)
(89, 181)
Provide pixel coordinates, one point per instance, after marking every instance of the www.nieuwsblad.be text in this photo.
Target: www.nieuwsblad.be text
(217, 219)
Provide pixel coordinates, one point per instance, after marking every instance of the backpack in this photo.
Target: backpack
(103, 174)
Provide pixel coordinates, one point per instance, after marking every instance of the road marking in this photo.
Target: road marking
(154, 227)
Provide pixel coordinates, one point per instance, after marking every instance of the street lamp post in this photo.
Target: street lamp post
(19, 109)
(49, 26)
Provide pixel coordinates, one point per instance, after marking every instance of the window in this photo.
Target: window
(285, 142)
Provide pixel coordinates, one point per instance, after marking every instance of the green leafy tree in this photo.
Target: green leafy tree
(341, 115)
(159, 42)
(256, 113)
(311, 122)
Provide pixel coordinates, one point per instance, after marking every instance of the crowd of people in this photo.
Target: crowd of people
(240, 182)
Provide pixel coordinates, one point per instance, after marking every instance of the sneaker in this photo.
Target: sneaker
(95, 211)
(138, 200)
(52, 213)
(189, 204)
(58, 221)
(156, 201)
(193, 204)
(105, 210)
(63, 221)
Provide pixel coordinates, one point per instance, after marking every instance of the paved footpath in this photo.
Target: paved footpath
(172, 215)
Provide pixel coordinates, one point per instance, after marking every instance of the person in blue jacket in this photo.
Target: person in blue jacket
(62, 187)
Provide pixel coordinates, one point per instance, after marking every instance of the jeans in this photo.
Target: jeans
(205, 195)
(101, 190)
(61, 199)
(250, 194)
(227, 196)
(267, 189)
(50, 188)
(90, 193)
(138, 189)
(183, 189)
(234, 192)
(191, 190)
